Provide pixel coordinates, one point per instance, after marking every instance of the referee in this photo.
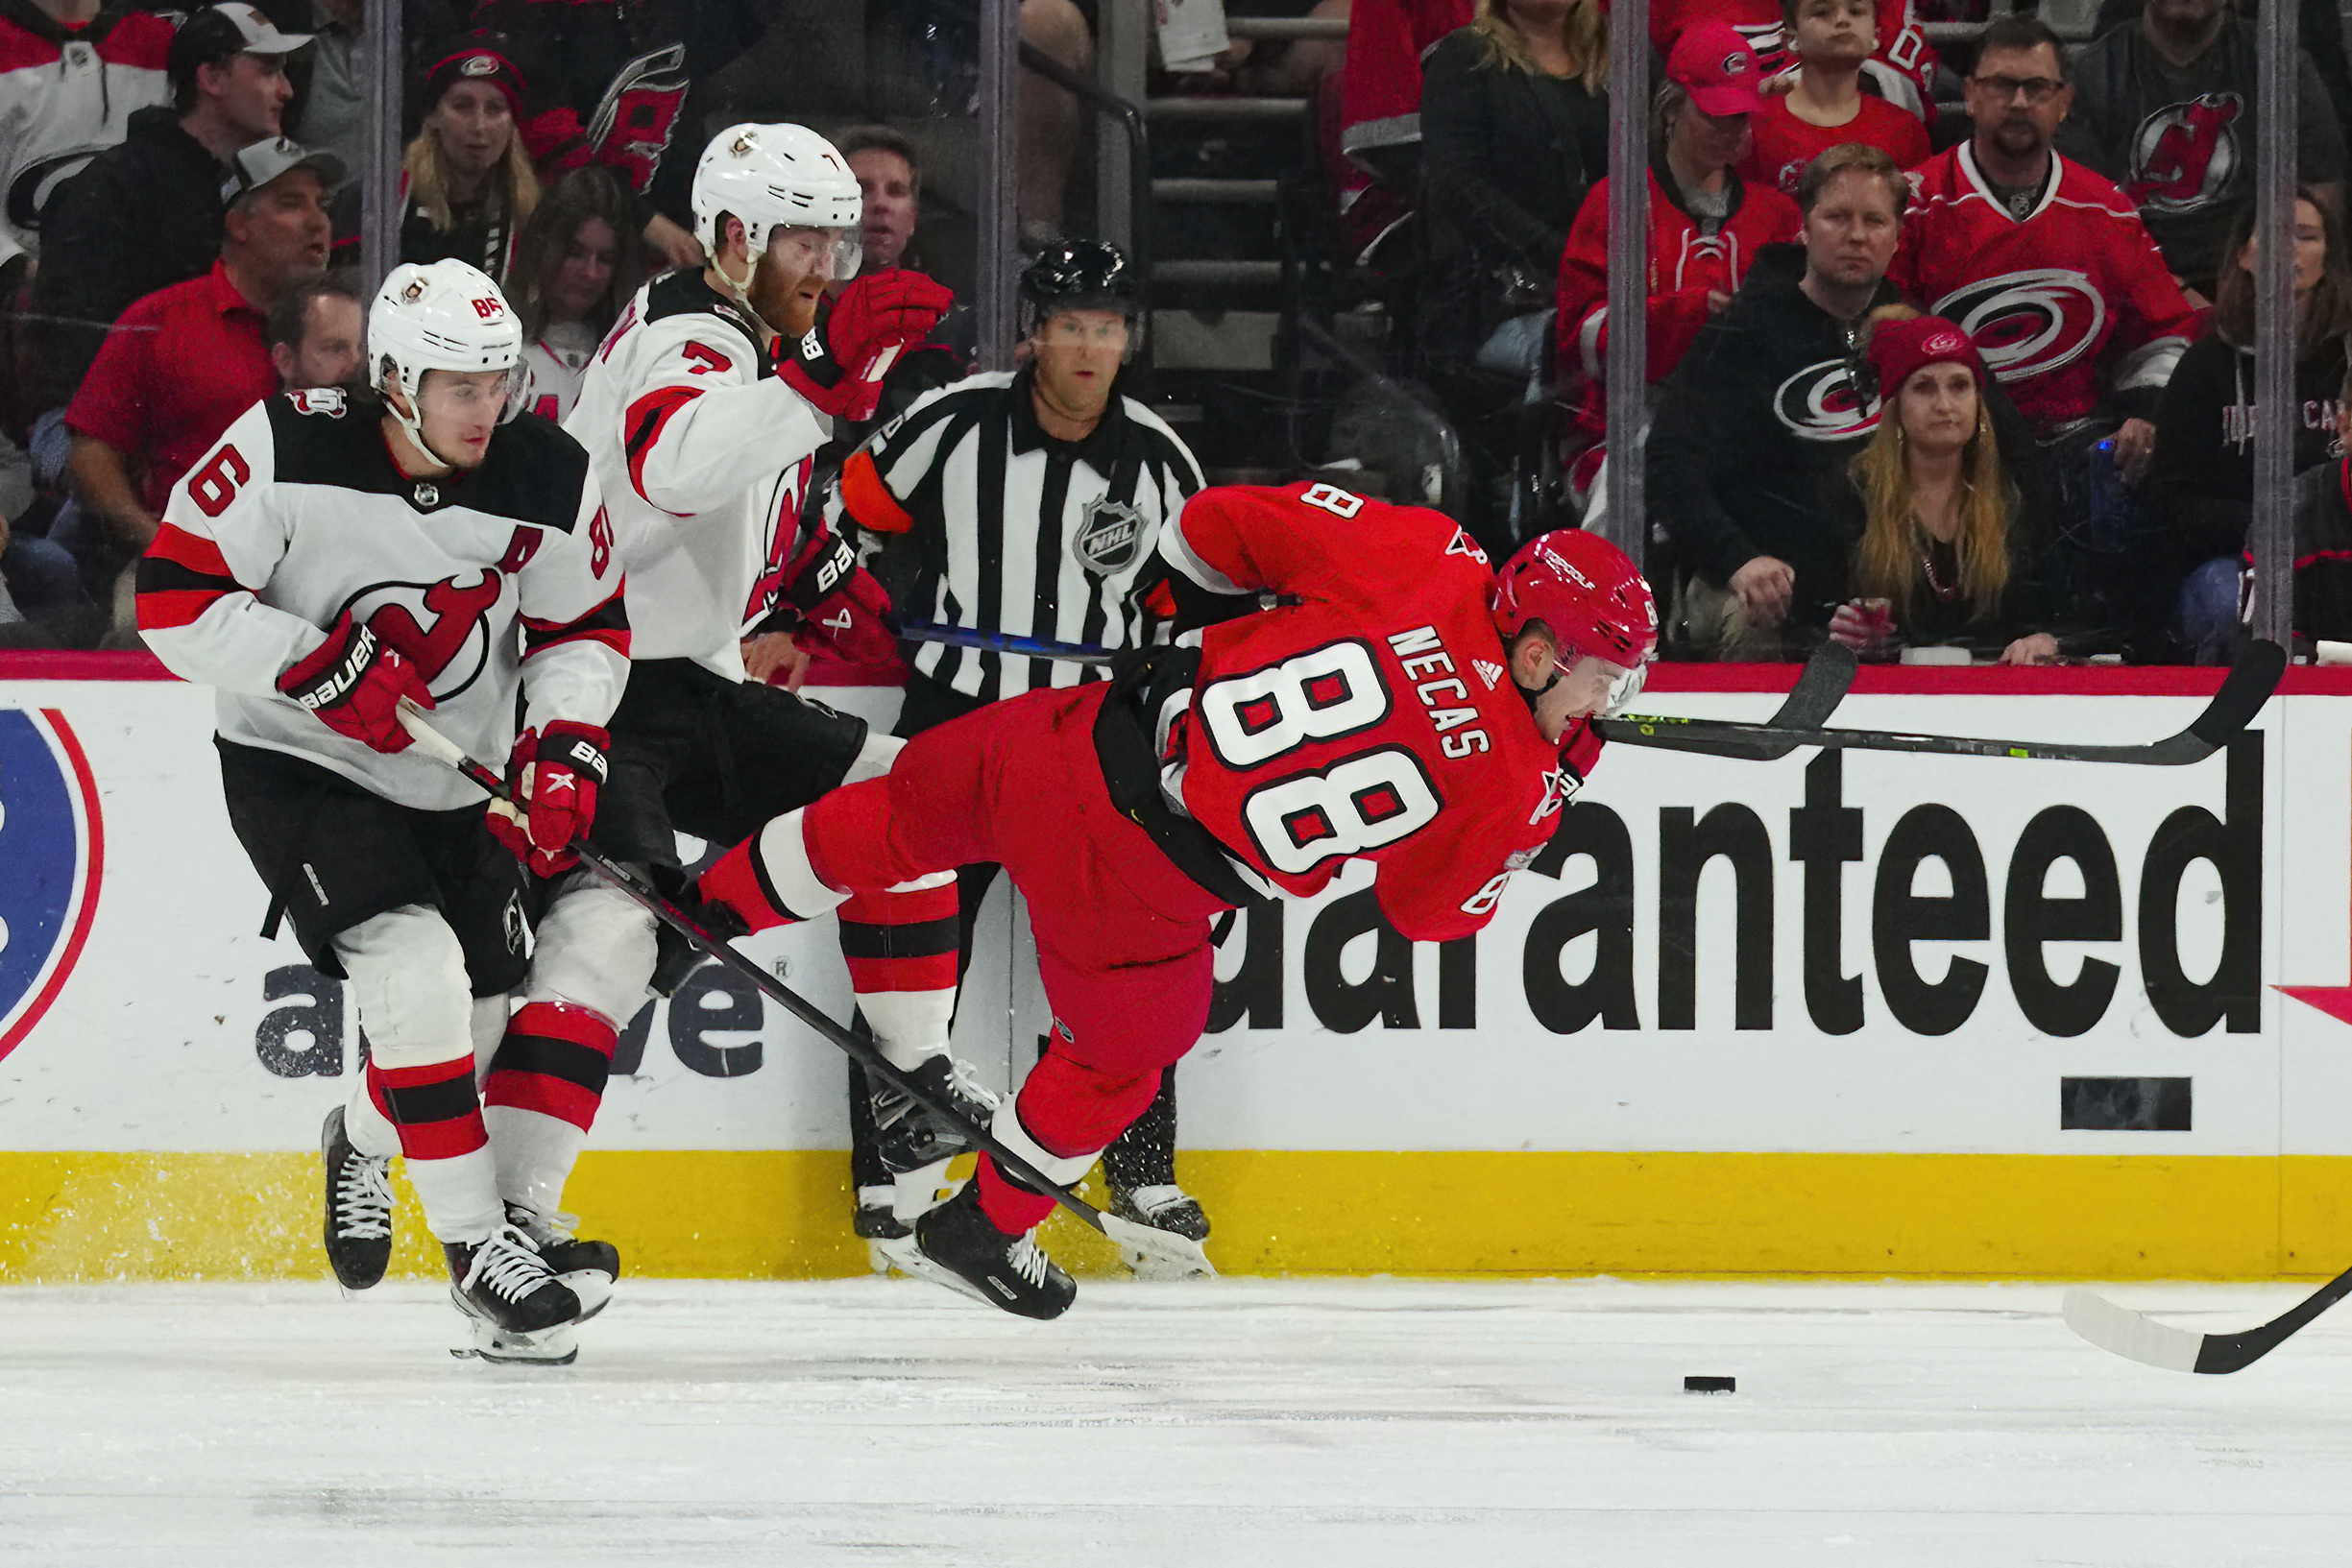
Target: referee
(1024, 504)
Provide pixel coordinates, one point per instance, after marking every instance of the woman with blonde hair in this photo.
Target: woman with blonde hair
(1946, 547)
(467, 183)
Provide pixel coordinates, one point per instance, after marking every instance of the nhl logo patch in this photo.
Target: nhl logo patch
(428, 494)
(1110, 537)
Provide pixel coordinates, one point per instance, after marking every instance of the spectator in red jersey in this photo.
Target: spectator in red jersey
(1826, 106)
(1901, 70)
(1380, 110)
(2047, 266)
(314, 334)
(1949, 546)
(1705, 227)
(575, 267)
(2200, 486)
(1515, 111)
(185, 361)
(2172, 110)
(1766, 409)
(467, 182)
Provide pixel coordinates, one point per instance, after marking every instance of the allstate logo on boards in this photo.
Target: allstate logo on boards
(51, 842)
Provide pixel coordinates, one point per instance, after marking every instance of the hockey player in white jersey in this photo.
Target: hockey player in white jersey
(701, 412)
(331, 557)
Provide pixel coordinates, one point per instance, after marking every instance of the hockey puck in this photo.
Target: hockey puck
(1696, 1385)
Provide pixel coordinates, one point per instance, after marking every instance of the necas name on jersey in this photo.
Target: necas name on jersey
(1426, 662)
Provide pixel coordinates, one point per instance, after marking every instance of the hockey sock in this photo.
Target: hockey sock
(1012, 1205)
(900, 946)
(439, 1115)
(767, 880)
(545, 1086)
(364, 1122)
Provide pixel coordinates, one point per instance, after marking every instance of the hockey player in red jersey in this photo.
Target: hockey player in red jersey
(701, 413)
(329, 560)
(1401, 705)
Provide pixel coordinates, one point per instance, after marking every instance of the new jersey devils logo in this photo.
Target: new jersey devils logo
(53, 843)
(2183, 156)
(1822, 403)
(443, 627)
(2029, 324)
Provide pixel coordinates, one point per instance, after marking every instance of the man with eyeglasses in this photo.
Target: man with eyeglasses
(2047, 266)
(2171, 111)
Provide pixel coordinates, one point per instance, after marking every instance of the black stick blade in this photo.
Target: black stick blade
(2253, 678)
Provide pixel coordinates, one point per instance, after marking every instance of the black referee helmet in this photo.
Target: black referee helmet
(1080, 274)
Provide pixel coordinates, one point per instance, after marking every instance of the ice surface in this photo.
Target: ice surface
(1362, 1423)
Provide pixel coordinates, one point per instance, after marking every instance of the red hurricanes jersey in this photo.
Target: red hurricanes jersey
(1901, 70)
(1370, 716)
(2045, 296)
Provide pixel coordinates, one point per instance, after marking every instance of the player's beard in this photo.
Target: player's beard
(783, 299)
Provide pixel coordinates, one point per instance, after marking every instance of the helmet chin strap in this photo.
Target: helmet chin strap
(413, 422)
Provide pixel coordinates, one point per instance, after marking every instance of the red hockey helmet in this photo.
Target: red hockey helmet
(1586, 589)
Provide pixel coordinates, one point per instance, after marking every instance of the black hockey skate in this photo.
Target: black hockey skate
(588, 1269)
(358, 1208)
(908, 1134)
(1163, 1206)
(505, 1282)
(1007, 1271)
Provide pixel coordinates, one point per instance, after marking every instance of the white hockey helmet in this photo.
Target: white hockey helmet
(438, 316)
(772, 176)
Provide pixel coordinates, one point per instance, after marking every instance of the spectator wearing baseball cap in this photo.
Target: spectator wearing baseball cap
(147, 214)
(1950, 542)
(470, 185)
(1707, 225)
(188, 360)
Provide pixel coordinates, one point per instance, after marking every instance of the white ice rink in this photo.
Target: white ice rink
(1353, 1423)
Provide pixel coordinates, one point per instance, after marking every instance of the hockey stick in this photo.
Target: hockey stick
(1025, 647)
(2248, 686)
(1163, 1246)
(2126, 1332)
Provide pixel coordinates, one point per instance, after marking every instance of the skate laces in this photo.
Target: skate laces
(508, 1264)
(1028, 1260)
(363, 1198)
(1152, 1202)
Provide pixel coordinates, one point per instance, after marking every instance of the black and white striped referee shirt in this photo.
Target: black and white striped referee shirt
(1015, 531)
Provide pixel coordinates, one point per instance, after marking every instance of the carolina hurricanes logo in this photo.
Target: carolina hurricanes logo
(632, 127)
(53, 842)
(2183, 156)
(2029, 324)
(443, 627)
(1821, 402)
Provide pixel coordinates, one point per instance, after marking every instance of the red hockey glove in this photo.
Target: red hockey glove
(553, 778)
(838, 364)
(354, 682)
(853, 626)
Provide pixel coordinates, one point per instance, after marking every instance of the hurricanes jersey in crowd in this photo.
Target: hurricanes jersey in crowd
(1370, 716)
(1013, 531)
(299, 516)
(704, 457)
(1902, 69)
(2048, 294)
(66, 94)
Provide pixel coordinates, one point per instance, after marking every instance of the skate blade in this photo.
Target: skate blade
(909, 1259)
(595, 1289)
(548, 1347)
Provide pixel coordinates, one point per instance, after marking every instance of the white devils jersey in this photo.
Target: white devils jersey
(704, 458)
(66, 94)
(502, 577)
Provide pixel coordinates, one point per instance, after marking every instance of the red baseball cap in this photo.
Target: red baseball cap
(1898, 349)
(1718, 67)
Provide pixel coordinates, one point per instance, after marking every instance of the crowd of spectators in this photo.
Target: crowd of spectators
(2067, 472)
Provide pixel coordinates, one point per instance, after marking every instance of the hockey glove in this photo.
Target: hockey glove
(838, 364)
(354, 682)
(553, 778)
(853, 626)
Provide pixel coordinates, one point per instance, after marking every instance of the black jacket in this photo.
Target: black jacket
(1760, 416)
(2200, 483)
(2323, 553)
(144, 215)
(1507, 158)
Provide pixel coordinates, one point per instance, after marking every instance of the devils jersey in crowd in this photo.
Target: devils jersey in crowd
(2071, 292)
(501, 576)
(66, 94)
(1371, 715)
(1012, 531)
(704, 457)
(1901, 70)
